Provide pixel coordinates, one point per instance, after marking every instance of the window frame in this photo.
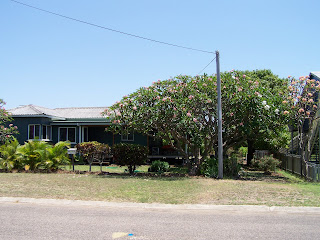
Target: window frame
(34, 131)
(67, 137)
(125, 133)
(45, 138)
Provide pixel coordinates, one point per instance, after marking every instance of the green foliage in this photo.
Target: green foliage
(159, 166)
(7, 131)
(130, 155)
(182, 111)
(231, 167)
(267, 164)
(31, 157)
(209, 167)
(54, 156)
(9, 155)
(91, 151)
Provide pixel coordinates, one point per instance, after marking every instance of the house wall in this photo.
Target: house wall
(23, 123)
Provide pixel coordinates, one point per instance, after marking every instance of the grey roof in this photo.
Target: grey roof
(315, 74)
(73, 113)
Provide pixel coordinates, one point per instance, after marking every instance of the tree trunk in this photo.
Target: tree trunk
(250, 152)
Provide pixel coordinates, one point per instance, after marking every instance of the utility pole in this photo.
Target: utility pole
(219, 113)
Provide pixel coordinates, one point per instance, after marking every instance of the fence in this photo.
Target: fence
(294, 164)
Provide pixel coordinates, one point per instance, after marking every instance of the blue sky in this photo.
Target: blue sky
(54, 62)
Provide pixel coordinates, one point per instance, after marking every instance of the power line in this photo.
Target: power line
(207, 66)
(113, 30)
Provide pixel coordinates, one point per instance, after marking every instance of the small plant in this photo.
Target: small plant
(268, 164)
(209, 167)
(9, 156)
(159, 166)
(231, 167)
(130, 155)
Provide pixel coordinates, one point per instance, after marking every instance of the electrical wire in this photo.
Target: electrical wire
(207, 66)
(110, 29)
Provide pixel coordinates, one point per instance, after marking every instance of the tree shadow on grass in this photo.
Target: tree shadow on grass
(144, 176)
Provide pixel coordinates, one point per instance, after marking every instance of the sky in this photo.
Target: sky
(55, 62)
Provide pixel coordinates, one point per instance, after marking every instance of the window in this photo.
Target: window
(67, 134)
(46, 132)
(34, 131)
(127, 135)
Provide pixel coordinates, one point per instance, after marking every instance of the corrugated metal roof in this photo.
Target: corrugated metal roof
(316, 74)
(75, 113)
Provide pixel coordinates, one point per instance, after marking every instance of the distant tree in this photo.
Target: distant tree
(6, 131)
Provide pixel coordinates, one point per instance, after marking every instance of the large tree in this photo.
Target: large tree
(182, 111)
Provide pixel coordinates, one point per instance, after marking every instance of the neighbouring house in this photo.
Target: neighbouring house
(77, 125)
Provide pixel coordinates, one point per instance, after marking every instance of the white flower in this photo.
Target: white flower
(276, 111)
(266, 107)
(264, 103)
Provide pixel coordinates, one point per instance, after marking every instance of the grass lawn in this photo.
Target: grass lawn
(280, 189)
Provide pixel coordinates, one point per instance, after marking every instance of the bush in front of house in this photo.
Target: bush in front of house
(130, 155)
(267, 163)
(33, 155)
(91, 151)
(159, 166)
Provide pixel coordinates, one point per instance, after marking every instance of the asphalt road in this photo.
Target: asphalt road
(46, 221)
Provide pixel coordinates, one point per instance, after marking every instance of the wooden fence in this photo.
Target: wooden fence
(294, 164)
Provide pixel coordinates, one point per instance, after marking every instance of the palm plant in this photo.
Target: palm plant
(9, 155)
(54, 156)
(31, 154)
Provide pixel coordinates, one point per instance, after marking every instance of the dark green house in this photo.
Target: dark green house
(75, 125)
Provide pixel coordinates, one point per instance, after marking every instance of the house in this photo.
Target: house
(75, 125)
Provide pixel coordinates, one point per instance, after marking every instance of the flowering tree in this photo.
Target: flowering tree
(253, 108)
(302, 104)
(6, 132)
(182, 111)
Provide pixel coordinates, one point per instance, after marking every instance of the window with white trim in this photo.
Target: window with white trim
(34, 131)
(67, 134)
(127, 135)
(46, 132)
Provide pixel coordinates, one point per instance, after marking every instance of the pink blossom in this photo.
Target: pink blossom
(285, 112)
(10, 125)
(174, 115)
(195, 120)
(231, 114)
(315, 106)
(308, 113)
(239, 89)
(189, 114)
(191, 97)
(310, 94)
(134, 108)
(241, 124)
(310, 100)
(304, 99)
(244, 76)
(289, 76)
(15, 127)
(301, 110)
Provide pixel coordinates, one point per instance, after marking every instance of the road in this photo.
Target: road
(45, 221)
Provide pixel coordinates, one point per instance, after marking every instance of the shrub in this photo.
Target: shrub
(209, 167)
(54, 156)
(9, 156)
(267, 163)
(130, 155)
(159, 166)
(231, 168)
(31, 156)
(93, 150)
